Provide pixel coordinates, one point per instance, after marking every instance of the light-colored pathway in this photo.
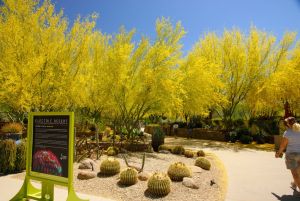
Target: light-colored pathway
(252, 175)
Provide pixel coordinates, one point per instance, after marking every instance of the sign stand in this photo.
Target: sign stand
(41, 128)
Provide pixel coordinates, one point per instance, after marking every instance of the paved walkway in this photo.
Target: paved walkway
(252, 175)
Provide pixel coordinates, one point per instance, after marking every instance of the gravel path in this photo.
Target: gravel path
(108, 186)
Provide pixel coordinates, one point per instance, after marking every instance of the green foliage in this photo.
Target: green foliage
(158, 138)
(112, 151)
(8, 149)
(159, 184)
(178, 149)
(20, 163)
(203, 163)
(128, 176)
(246, 139)
(110, 166)
(189, 153)
(200, 153)
(178, 170)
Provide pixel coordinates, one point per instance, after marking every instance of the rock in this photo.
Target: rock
(84, 175)
(143, 176)
(164, 152)
(87, 164)
(190, 183)
(195, 169)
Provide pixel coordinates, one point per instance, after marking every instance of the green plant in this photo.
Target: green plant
(110, 166)
(179, 150)
(200, 153)
(189, 153)
(165, 147)
(20, 163)
(178, 170)
(12, 128)
(158, 138)
(159, 184)
(203, 163)
(128, 176)
(112, 151)
(246, 139)
(8, 149)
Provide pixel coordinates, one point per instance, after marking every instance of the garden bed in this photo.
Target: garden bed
(108, 186)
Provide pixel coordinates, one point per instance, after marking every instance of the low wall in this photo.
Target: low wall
(196, 133)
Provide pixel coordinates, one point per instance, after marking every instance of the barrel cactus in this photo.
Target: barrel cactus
(112, 151)
(159, 184)
(178, 170)
(188, 153)
(110, 166)
(203, 163)
(200, 153)
(128, 176)
(179, 150)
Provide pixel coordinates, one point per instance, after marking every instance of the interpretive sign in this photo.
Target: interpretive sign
(49, 159)
(50, 145)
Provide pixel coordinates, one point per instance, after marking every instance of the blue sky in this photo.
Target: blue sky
(196, 16)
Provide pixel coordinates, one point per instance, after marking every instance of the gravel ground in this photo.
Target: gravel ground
(108, 186)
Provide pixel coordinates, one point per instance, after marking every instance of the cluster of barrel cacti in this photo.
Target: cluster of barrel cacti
(203, 163)
(189, 153)
(128, 176)
(159, 184)
(110, 166)
(178, 170)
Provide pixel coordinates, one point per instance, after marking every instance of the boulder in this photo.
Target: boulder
(87, 164)
(143, 176)
(84, 175)
(190, 183)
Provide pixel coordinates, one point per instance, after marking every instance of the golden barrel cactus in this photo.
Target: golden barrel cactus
(159, 184)
(178, 170)
(110, 166)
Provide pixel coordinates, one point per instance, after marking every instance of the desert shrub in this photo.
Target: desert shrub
(8, 149)
(20, 163)
(246, 139)
(12, 128)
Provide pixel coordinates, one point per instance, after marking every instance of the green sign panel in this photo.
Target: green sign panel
(50, 140)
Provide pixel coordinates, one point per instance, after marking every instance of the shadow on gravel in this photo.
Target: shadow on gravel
(287, 197)
(149, 195)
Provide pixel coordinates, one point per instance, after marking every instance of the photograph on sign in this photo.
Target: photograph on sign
(50, 145)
